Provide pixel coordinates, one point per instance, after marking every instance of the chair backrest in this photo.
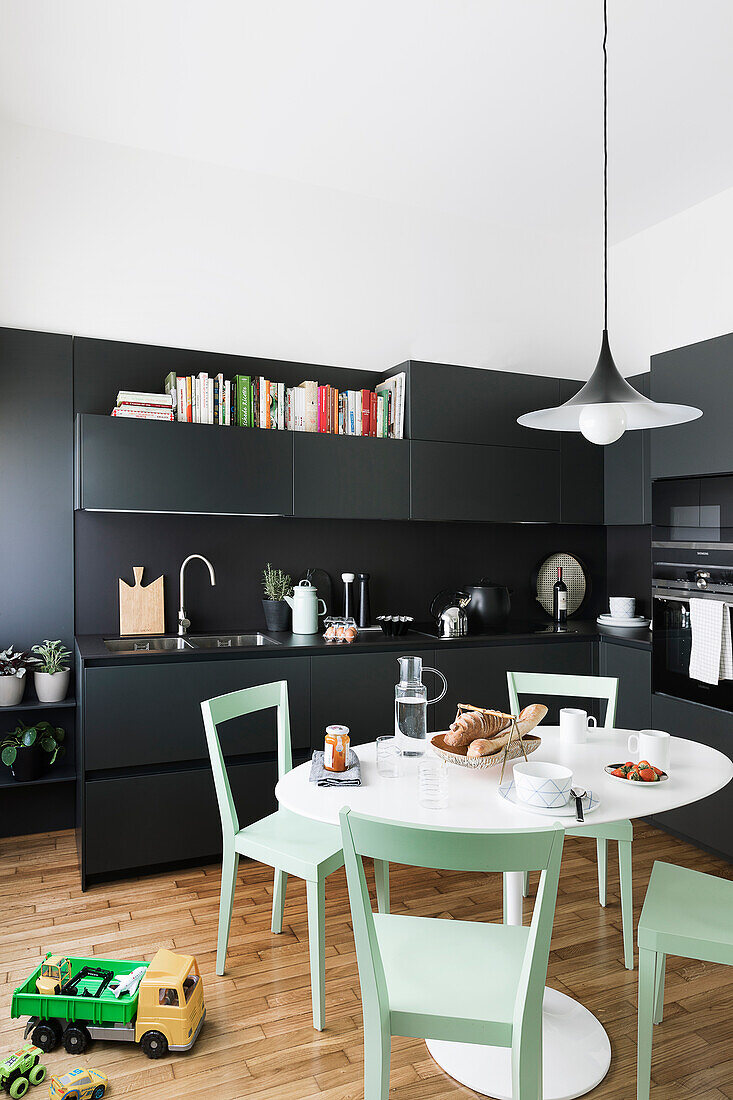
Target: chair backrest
(458, 850)
(558, 683)
(235, 705)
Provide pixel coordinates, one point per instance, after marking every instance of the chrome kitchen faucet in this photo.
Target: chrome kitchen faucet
(183, 622)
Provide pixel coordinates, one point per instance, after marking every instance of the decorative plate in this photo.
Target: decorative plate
(610, 768)
(458, 756)
(574, 575)
(591, 802)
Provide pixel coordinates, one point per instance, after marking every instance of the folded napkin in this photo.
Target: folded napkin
(349, 778)
(711, 655)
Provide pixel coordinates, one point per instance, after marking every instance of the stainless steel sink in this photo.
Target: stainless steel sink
(146, 645)
(229, 641)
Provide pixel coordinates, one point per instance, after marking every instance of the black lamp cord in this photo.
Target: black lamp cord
(605, 166)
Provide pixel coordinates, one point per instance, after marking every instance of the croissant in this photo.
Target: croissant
(475, 724)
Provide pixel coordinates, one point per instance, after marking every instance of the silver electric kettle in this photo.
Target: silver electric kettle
(448, 609)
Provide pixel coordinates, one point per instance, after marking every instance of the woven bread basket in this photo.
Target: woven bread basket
(459, 755)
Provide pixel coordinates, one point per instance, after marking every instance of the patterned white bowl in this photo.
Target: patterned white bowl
(543, 785)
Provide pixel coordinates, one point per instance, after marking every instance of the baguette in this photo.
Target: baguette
(474, 724)
(530, 717)
(487, 746)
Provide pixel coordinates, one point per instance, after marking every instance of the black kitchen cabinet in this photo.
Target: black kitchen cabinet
(696, 375)
(160, 818)
(448, 403)
(146, 715)
(708, 822)
(627, 476)
(465, 481)
(581, 496)
(478, 676)
(149, 466)
(352, 477)
(357, 690)
(633, 667)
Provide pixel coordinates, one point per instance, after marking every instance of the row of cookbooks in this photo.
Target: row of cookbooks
(255, 402)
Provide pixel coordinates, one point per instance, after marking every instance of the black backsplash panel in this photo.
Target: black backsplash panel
(408, 562)
(629, 556)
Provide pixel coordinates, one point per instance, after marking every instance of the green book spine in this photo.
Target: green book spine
(244, 401)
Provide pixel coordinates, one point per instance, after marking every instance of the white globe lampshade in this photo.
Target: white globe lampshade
(603, 423)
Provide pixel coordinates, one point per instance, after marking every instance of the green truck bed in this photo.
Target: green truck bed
(106, 1009)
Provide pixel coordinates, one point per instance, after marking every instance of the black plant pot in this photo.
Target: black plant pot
(277, 614)
(28, 764)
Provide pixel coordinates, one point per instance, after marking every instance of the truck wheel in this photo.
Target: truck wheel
(46, 1036)
(37, 1074)
(76, 1039)
(154, 1044)
(19, 1088)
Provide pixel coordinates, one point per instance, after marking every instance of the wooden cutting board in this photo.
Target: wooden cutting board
(141, 608)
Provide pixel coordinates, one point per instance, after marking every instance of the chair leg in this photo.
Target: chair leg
(602, 853)
(527, 1065)
(659, 988)
(627, 901)
(229, 868)
(381, 879)
(377, 1051)
(525, 885)
(647, 973)
(316, 898)
(278, 900)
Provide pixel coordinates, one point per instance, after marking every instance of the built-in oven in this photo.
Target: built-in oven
(692, 557)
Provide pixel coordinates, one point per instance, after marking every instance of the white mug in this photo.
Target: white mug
(574, 725)
(652, 746)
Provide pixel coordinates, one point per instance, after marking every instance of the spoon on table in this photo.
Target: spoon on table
(578, 794)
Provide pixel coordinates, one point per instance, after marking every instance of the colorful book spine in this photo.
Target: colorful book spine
(181, 399)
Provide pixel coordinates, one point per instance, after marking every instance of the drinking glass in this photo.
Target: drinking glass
(432, 778)
(388, 757)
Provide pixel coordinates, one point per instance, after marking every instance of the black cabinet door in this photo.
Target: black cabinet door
(676, 508)
(346, 477)
(582, 491)
(146, 466)
(627, 479)
(464, 404)
(478, 676)
(633, 668)
(710, 821)
(463, 481)
(141, 715)
(161, 818)
(357, 690)
(698, 375)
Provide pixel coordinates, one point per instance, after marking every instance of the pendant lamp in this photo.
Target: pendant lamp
(607, 405)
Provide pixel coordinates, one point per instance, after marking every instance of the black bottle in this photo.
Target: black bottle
(364, 613)
(560, 599)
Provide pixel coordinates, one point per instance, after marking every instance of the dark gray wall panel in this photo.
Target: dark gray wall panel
(628, 570)
(627, 475)
(581, 471)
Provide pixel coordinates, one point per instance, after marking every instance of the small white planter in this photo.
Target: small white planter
(51, 687)
(11, 690)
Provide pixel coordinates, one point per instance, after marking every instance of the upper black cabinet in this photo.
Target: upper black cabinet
(463, 404)
(627, 477)
(464, 481)
(581, 498)
(697, 375)
(146, 466)
(354, 477)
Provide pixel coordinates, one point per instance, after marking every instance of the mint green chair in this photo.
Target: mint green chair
(685, 913)
(291, 844)
(603, 688)
(462, 981)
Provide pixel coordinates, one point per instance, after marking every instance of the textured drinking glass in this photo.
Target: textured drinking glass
(432, 778)
(388, 757)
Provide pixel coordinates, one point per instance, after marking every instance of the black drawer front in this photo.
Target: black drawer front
(151, 714)
(144, 820)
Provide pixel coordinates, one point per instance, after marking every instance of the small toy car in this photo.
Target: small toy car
(20, 1070)
(79, 1084)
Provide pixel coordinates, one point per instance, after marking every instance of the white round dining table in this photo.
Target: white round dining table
(576, 1047)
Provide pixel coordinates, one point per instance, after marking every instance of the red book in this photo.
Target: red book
(365, 412)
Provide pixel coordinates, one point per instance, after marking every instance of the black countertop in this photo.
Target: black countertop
(92, 650)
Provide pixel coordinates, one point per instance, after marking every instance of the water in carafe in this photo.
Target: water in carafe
(411, 704)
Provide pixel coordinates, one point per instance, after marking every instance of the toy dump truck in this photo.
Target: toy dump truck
(161, 1007)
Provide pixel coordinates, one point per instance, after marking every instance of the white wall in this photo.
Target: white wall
(672, 285)
(104, 240)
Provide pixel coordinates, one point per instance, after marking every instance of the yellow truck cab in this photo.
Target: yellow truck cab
(55, 970)
(170, 1007)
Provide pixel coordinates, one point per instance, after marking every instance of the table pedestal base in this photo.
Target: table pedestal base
(576, 1055)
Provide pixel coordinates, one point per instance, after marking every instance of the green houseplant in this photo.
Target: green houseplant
(22, 750)
(51, 674)
(276, 585)
(13, 666)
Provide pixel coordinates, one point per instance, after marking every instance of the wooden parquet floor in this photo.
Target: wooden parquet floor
(258, 1041)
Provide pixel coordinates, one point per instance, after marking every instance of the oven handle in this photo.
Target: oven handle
(677, 599)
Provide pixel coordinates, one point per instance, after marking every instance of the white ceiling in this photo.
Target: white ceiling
(487, 108)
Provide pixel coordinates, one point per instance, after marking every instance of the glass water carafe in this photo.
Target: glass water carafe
(411, 705)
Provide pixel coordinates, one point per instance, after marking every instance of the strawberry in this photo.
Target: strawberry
(620, 772)
(658, 771)
(648, 775)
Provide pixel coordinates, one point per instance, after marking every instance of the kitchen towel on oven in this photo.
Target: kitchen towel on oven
(711, 657)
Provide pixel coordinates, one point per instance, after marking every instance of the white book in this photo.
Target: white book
(358, 412)
(141, 412)
(228, 403)
(395, 386)
(136, 397)
(281, 406)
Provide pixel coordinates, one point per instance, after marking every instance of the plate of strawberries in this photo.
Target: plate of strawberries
(643, 772)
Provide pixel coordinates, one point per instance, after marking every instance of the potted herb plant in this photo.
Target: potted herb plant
(23, 749)
(13, 667)
(51, 675)
(276, 585)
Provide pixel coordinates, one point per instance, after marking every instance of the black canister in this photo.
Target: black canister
(364, 613)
